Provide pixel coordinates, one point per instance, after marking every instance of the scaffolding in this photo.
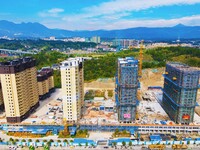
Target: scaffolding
(126, 89)
(180, 92)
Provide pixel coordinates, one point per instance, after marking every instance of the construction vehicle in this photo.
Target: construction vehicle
(156, 147)
(179, 146)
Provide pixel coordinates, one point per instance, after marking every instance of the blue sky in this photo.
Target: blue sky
(102, 14)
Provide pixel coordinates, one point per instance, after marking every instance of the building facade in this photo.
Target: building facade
(19, 87)
(180, 92)
(126, 89)
(96, 39)
(45, 82)
(125, 43)
(72, 88)
(1, 99)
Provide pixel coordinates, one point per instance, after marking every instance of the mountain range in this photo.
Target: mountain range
(37, 30)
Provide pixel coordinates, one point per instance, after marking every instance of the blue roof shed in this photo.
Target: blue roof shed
(155, 138)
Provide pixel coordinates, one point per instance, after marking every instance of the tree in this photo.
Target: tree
(29, 140)
(71, 141)
(92, 145)
(114, 144)
(23, 140)
(124, 132)
(188, 142)
(31, 147)
(59, 141)
(65, 140)
(79, 144)
(44, 140)
(116, 131)
(86, 144)
(130, 144)
(11, 139)
(46, 147)
(37, 140)
(124, 143)
(85, 131)
(80, 131)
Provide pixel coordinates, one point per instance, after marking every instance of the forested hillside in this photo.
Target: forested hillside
(104, 65)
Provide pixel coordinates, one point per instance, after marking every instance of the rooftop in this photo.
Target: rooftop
(71, 62)
(182, 67)
(16, 62)
(128, 60)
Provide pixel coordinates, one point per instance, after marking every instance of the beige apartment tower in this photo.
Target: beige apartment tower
(20, 88)
(72, 88)
(45, 82)
(1, 99)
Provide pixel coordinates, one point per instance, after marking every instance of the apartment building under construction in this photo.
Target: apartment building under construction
(19, 87)
(45, 82)
(126, 89)
(72, 88)
(180, 92)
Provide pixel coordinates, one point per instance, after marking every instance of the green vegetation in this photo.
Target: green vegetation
(81, 134)
(49, 58)
(43, 45)
(89, 95)
(105, 65)
(94, 93)
(123, 133)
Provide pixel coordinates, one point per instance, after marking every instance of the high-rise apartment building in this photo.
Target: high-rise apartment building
(1, 98)
(20, 89)
(72, 88)
(45, 82)
(126, 89)
(180, 92)
(125, 43)
(96, 39)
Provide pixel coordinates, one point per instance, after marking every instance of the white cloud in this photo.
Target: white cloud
(111, 15)
(116, 6)
(54, 12)
(95, 24)
(122, 24)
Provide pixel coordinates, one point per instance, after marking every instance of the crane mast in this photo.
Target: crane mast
(141, 58)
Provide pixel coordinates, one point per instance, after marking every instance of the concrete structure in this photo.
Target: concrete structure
(45, 82)
(72, 88)
(20, 89)
(96, 39)
(126, 89)
(180, 92)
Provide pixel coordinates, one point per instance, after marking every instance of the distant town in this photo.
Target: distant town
(79, 45)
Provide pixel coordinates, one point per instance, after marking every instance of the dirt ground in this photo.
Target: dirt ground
(100, 84)
(150, 77)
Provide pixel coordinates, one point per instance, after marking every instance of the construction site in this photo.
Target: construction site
(150, 95)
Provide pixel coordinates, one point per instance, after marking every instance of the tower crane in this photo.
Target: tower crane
(141, 58)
